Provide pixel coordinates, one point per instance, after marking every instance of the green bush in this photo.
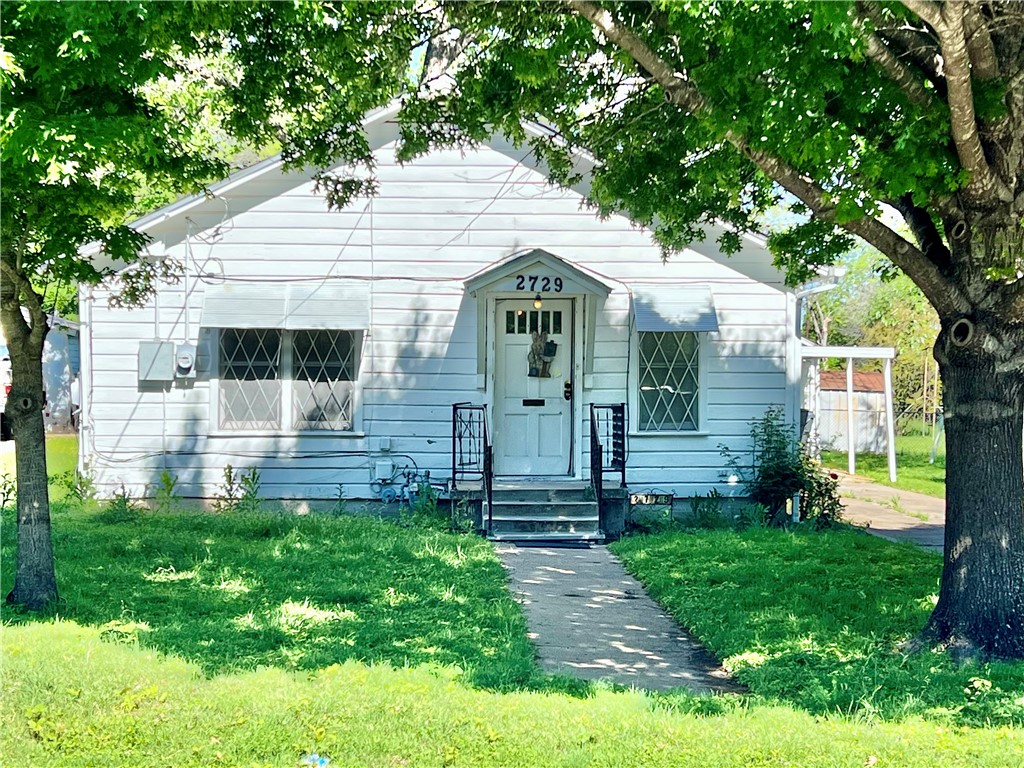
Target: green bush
(780, 469)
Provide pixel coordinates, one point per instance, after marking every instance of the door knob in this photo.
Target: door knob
(567, 390)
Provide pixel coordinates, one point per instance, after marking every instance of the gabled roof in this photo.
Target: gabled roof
(381, 129)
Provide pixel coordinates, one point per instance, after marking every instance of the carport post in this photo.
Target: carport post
(851, 436)
(890, 427)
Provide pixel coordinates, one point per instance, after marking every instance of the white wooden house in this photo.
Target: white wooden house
(327, 348)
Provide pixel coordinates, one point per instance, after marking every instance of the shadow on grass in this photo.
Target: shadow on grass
(242, 591)
(817, 620)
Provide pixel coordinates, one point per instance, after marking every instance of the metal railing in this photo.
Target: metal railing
(608, 428)
(607, 446)
(472, 453)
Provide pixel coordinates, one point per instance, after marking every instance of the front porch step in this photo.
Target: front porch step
(560, 495)
(535, 511)
(531, 509)
(590, 538)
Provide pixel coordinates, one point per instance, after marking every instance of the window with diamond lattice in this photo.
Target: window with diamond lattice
(250, 382)
(323, 376)
(668, 381)
(273, 380)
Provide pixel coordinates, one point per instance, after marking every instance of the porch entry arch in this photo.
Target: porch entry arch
(536, 316)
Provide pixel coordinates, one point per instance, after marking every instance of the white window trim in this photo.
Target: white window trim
(287, 404)
(703, 354)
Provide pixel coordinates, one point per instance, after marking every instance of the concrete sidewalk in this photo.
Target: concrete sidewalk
(589, 618)
(894, 514)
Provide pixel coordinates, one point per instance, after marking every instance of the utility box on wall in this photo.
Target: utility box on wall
(156, 362)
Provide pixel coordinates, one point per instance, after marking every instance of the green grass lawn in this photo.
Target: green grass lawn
(198, 639)
(913, 472)
(236, 592)
(817, 620)
(61, 459)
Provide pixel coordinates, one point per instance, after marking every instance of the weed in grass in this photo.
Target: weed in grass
(165, 494)
(122, 508)
(239, 493)
(650, 519)
(424, 510)
(752, 516)
(707, 511)
(77, 486)
(340, 506)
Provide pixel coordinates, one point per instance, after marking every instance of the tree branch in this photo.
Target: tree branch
(985, 184)
(895, 69)
(906, 42)
(924, 229)
(928, 11)
(22, 294)
(683, 93)
(979, 44)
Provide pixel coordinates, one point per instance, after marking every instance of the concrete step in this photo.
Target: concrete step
(562, 527)
(504, 494)
(544, 510)
(530, 509)
(554, 538)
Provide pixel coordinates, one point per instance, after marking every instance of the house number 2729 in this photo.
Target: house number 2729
(538, 283)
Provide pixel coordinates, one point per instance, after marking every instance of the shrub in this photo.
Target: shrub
(820, 501)
(780, 469)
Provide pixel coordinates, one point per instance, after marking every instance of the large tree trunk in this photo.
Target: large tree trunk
(35, 584)
(981, 598)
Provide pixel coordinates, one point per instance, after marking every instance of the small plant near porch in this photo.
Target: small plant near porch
(778, 469)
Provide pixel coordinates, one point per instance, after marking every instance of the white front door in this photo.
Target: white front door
(533, 387)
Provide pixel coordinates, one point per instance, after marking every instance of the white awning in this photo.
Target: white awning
(335, 304)
(668, 308)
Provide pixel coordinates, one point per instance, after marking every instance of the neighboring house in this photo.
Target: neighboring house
(61, 360)
(868, 409)
(327, 349)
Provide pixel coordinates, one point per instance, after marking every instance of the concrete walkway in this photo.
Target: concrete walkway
(894, 514)
(590, 619)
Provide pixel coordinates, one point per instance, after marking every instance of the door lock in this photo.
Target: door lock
(567, 389)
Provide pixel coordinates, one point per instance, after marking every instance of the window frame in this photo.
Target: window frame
(286, 379)
(701, 427)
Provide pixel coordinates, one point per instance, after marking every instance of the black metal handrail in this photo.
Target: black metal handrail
(607, 449)
(596, 467)
(608, 430)
(472, 453)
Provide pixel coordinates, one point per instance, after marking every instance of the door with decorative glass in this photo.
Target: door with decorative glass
(533, 387)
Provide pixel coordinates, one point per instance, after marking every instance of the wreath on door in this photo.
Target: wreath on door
(542, 354)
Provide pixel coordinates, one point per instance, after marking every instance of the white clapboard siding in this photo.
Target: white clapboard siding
(435, 223)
